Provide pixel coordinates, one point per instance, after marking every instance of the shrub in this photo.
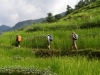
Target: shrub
(24, 71)
(91, 24)
(47, 53)
(87, 25)
(72, 27)
(85, 52)
(36, 28)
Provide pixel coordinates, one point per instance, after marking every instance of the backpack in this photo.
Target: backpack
(75, 36)
(19, 38)
(50, 37)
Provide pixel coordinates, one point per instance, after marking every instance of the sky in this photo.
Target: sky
(14, 11)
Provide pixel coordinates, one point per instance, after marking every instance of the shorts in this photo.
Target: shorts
(49, 42)
(74, 42)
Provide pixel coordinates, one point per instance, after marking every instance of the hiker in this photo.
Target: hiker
(18, 40)
(74, 38)
(49, 39)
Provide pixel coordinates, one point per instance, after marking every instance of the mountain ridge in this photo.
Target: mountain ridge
(25, 23)
(4, 28)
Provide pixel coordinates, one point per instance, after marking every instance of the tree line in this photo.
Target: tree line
(50, 18)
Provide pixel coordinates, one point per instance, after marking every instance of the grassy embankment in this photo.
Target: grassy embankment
(12, 57)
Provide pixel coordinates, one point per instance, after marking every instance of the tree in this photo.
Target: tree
(81, 3)
(92, 1)
(50, 18)
(58, 16)
(69, 9)
(87, 2)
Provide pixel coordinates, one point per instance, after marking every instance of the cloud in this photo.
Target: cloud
(14, 11)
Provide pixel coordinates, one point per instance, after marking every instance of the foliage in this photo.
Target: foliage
(58, 16)
(91, 24)
(69, 10)
(24, 71)
(80, 4)
(22, 60)
(50, 18)
(47, 53)
(83, 3)
(91, 53)
(36, 28)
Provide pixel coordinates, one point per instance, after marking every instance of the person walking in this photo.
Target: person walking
(18, 40)
(49, 39)
(74, 39)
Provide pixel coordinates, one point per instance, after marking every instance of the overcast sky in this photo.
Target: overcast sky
(14, 11)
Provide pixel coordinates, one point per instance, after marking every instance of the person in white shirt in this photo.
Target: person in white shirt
(48, 41)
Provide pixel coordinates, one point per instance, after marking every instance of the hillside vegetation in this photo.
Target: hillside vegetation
(84, 21)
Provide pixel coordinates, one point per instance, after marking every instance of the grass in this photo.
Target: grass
(25, 58)
(88, 38)
(61, 66)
